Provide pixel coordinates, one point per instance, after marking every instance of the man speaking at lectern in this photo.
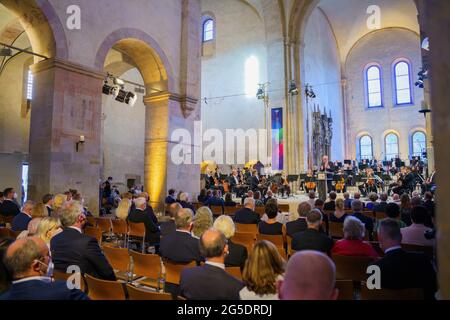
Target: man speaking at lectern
(328, 168)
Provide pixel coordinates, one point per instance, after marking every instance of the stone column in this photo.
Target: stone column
(66, 105)
(164, 115)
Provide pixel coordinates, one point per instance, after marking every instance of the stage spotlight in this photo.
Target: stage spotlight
(110, 90)
(293, 90)
(121, 96)
(130, 99)
(260, 93)
(119, 82)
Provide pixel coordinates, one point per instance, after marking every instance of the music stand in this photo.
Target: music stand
(303, 176)
(292, 178)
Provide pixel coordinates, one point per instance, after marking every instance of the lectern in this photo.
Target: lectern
(322, 185)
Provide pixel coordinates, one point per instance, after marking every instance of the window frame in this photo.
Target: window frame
(394, 73)
(366, 84)
(412, 153)
(205, 22)
(385, 145)
(359, 146)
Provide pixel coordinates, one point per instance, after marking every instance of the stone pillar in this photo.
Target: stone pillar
(164, 115)
(66, 105)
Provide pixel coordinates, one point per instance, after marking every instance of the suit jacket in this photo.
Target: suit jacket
(170, 200)
(404, 270)
(151, 213)
(42, 290)
(246, 216)
(20, 222)
(167, 227)
(152, 232)
(71, 247)
(237, 256)
(187, 205)
(232, 181)
(180, 247)
(331, 205)
(214, 201)
(209, 283)
(296, 226)
(380, 207)
(254, 182)
(311, 239)
(9, 208)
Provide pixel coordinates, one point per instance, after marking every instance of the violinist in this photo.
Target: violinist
(310, 185)
(284, 185)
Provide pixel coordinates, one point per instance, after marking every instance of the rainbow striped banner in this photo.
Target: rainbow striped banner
(277, 139)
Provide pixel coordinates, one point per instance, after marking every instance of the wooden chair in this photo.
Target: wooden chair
(427, 250)
(63, 276)
(197, 205)
(92, 221)
(290, 251)
(104, 224)
(390, 294)
(278, 241)
(137, 230)
(244, 238)
(141, 294)
(148, 268)
(247, 228)
(380, 215)
(346, 289)
(4, 233)
(235, 272)
(284, 207)
(119, 259)
(216, 210)
(229, 211)
(104, 290)
(173, 271)
(261, 210)
(94, 233)
(336, 229)
(120, 229)
(351, 267)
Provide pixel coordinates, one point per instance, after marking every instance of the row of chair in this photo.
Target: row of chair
(225, 210)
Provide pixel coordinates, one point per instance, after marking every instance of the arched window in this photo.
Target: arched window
(419, 143)
(29, 85)
(391, 146)
(208, 30)
(402, 83)
(374, 96)
(365, 147)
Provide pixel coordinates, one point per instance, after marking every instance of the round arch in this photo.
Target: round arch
(146, 54)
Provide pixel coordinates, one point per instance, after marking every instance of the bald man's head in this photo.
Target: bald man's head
(174, 208)
(213, 244)
(27, 257)
(310, 275)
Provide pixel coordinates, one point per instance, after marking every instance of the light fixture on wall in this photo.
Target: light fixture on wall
(309, 92)
(423, 75)
(425, 109)
(293, 89)
(81, 140)
(117, 90)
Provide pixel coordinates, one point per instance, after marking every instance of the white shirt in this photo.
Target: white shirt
(44, 279)
(216, 264)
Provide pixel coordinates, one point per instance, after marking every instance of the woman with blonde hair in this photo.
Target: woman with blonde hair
(48, 228)
(123, 209)
(203, 220)
(39, 211)
(263, 269)
(339, 214)
(58, 202)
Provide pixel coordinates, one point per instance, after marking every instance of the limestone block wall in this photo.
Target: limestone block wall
(383, 47)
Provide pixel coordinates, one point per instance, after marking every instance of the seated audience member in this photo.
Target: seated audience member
(316, 281)
(58, 202)
(353, 243)
(202, 221)
(31, 229)
(215, 200)
(393, 212)
(72, 247)
(202, 197)
(247, 215)
(357, 208)
(258, 201)
(9, 206)
(405, 209)
(339, 214)
(429, 204)
(415, 234)
(271, 226)
(48, 228)
(47, 201)
(319, 205)
(39, 211)
(401, 269)
(5, 277)
(331, 204)
(248, 195)
(396, 198)
(20, 221)
(184, 201)
(27, 260)
(140, 215)
(123, 209)
(347, 201)
(167, 223)
(312, 199)
(381, 207)
(312, 238)
(297, 220)
(373, 197)
(171, 197)
(357, 196)
(416, 201)
(210, 281)
(263, 269)
(180, 246)
(269, 196)
(229, 200)
(148, 207)
(237, 253)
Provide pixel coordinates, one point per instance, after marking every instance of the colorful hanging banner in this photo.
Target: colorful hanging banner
(277, 139)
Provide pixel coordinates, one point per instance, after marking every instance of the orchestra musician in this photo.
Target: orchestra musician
(284, 185)
(209, 180)
(234, 183)
(430, 183)
(310, 185)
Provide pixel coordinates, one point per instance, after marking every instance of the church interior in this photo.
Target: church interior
(187, 117)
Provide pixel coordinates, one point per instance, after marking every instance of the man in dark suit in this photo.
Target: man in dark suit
(20, 222)
(180, 246)
(357, 207)
(184, 201)
(171, 197)
(28, 260)
(215, 200)
(331, 205)
(9, 206)
(148, 208)
(210, 281)
(141, 215)
(312, 238)
(73, 248)
(247, 215)
(381, 207)
(47, 200)
(254, 181)
(327, 167)
(401, 269)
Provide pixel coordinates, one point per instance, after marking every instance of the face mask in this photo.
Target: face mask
(15, 195)
(50, 268)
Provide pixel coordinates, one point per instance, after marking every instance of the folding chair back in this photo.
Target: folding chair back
(173, 271)
(146, 265)
(351, 267)
(247, 228)
(277, 240)
(104, 224)
(118, 258)
(104, 290)
(336, 229)
(76, 279)
(119, 227)
(94, 233)
(244, 238)
(216, 210)
(141, 294)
